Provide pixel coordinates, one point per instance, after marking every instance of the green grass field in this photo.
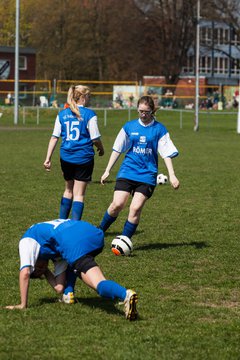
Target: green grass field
(185, 265)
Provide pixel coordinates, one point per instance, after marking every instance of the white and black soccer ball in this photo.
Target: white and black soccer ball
(162, 179)
(122, 246)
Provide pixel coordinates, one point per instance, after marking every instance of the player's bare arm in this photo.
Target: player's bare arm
(113, 159)
(172, 177)
(99, 146)
(51, 147)
(24, 278)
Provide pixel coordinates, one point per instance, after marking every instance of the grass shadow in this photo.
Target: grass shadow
(99, 183)
(160, 246)
(107, 305)
(97, 302)
(47, 300)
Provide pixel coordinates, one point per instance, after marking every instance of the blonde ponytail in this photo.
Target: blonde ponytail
(72, 103)
(74, 94)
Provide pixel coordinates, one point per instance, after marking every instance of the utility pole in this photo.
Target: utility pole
(196, 126)
(16, 80)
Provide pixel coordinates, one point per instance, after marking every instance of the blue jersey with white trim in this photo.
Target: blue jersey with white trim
(143, 144)
(69, 239)
(77, 145)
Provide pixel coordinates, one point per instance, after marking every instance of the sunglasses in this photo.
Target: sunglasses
(145, 112)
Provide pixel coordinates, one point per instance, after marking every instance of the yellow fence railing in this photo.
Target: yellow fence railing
(97, 87)
(116, 93)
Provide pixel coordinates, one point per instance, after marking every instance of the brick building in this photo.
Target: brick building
(27, 69)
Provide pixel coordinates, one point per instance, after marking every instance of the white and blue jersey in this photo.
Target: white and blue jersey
(68, 239)
(142, 143)
(77, 135)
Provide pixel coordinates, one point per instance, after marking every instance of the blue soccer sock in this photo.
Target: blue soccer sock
(111, 289)
(107, 221)
(77, 210)
(129, 229)
(65, 208)
(71, 278)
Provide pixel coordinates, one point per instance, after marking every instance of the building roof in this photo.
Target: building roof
(218, 51)
(11, 49)
(217, 24)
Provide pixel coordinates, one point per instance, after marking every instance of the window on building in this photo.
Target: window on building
(226, 36)
(236, 66)
(209, 36)
(221, 68)
(215, 36)
(226, 65)
(209, 64)
(202, 64)
(216, 65)
(220, 39)
(236, 41)
(206, 35)
(22, 63)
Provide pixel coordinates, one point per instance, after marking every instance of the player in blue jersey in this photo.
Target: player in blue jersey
(141, 139)
(77, 125)
(76, 242)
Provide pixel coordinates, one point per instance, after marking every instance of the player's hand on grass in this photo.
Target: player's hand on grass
(174, 182)
(13, 307)
(104, 177)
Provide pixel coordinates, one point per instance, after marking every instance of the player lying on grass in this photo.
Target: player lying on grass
(76, 242)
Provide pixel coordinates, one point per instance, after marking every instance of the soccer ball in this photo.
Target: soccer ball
(162, 179)
(122, 245)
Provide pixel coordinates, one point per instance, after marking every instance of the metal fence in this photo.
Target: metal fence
(40, 116)
(118, 94)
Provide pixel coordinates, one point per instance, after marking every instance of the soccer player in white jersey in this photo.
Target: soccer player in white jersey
(77, 125)
(141, 139)
(76, 242)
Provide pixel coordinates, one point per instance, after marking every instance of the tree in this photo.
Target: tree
(223, 10)
(171, 24)
(7, 22)
(71, 45)
(109, 39)
(124, 50)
